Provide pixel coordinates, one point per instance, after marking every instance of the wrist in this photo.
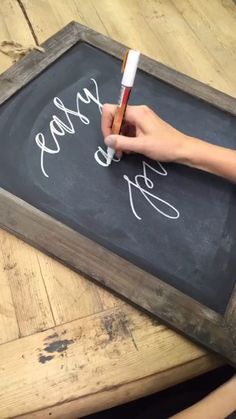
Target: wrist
(191, 151)
(184, 150)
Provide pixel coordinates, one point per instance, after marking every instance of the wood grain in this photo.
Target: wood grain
(27, 286)
(8, 320)
(111, 396)
(204, 22)
(196, 38)
(68, 303)
(79, 364)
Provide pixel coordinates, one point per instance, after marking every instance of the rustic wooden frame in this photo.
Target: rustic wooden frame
(197, 321)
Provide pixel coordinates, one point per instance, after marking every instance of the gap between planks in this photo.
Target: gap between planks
(106, 312)
(28, 21)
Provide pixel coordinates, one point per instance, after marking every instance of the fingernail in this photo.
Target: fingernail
(110, 141)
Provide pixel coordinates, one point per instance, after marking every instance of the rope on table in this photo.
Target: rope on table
(15, 50)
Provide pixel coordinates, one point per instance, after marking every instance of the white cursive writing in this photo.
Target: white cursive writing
(103, 160)
(58, 128)
(170, 211)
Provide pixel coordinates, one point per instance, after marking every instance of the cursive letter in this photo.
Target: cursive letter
(173, 213)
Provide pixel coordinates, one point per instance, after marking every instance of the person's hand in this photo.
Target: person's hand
(145, 133)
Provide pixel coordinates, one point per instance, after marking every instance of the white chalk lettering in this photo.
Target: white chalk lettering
(159, 204)
(59, 128)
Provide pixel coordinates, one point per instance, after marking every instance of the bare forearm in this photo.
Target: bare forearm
(210, 158)
(217, 405)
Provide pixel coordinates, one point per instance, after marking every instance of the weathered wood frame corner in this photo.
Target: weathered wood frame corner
(176, 309)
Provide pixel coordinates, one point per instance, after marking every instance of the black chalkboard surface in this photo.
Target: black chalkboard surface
(174, 223)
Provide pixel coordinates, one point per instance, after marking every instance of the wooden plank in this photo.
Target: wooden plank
(102, 19)
(109, 300)
(66, 291)
(183, 42)
(203, 19)
(173, 307)
(164, 31)
(8, 320)
(88, 361)
(119, 394)
(72, 296)
(13, 27)
(28, 291)
(61, 15)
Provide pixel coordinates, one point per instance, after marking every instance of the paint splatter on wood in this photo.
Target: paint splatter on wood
(43, 359)
(58, 345)
(53, 345)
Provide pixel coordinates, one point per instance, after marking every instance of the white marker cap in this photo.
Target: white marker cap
(130, 68)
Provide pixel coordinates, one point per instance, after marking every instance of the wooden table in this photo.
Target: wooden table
(68, 347)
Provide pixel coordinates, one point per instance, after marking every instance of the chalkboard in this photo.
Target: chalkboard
(171, 222)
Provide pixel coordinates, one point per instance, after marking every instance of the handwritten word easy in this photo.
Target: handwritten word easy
(58, 128)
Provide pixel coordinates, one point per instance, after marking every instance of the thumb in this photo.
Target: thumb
(123, 143)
